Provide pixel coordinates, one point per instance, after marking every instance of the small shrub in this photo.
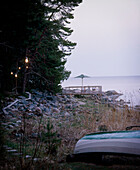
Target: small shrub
(103, 128)
(51, 139)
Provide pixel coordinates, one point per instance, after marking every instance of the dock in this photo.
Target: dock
(82, 90)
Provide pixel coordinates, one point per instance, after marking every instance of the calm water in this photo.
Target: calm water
(129, 86)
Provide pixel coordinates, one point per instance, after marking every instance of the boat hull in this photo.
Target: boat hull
(123, 146)
(121, 142)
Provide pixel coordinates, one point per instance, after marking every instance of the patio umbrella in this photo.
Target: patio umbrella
(82, 76)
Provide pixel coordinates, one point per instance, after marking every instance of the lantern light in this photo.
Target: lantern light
(16, 75)
(27, 67)
(26, 60)
(12, 73)
(19, 68)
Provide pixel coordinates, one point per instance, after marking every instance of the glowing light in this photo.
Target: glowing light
(26, 60)
(19, 68)
(27, 67)
(12, 73)
(16, 75)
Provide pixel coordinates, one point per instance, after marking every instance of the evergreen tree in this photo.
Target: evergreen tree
(38, 30)
(50, 138)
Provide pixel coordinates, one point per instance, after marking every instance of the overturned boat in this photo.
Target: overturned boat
(116, 142)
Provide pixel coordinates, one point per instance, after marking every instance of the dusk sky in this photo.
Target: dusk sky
(107, 33)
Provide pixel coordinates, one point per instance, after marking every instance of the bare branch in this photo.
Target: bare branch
(38, 75)
(4, 44)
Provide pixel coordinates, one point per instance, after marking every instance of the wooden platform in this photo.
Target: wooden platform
(82, 90)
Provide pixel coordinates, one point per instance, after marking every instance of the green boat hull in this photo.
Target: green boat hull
(118, 142)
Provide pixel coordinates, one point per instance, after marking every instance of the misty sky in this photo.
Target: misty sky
(107, 33)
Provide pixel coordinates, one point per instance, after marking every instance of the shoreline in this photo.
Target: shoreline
(129, 86)
(71, 117)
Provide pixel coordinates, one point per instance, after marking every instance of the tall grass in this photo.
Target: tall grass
(88, 118)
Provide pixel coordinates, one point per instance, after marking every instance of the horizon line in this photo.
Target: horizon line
(110, 76)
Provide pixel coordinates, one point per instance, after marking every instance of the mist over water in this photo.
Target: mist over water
(129, 86)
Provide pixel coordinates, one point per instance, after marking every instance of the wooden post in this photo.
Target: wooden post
(82, 82)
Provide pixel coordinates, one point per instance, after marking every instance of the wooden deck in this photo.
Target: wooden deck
(82, 90)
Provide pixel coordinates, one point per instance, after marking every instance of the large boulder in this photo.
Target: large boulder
(111, 92)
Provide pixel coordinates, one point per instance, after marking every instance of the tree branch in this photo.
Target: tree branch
(4, 44)
(38, 75)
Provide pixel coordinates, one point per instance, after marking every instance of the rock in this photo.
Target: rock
(67, 114)
(10, 126)
(55, 110)
(18, 135)
(11, 114)
(37, 99)
(27, 156)
(15, 124)
(29, 111)
(14, 110)
(44, 101)
(37, 159)
(18, 121)
(50, 98)
(24, 102)
(38, 93)
(46, 109)
(68, 106)
(4, 124)
(111, 92)
(30, 114)
(31, 107)
(105, 98)
(21, 108)
(53, 104)
(22, 97)
(12, 150)
(38, 110)
(81, 103)
(114, 97)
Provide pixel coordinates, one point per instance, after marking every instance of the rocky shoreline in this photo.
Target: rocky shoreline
(42, 104)
(71, 116)
(39, 103)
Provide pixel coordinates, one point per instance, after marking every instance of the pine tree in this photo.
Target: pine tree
(49, 43)
(50, 139)
(38, 30)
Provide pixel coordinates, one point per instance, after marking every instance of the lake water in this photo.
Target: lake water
(129, 86)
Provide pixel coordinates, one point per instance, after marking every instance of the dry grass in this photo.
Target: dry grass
(85, 119)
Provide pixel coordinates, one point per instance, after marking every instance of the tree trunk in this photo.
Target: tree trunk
(24, 82)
